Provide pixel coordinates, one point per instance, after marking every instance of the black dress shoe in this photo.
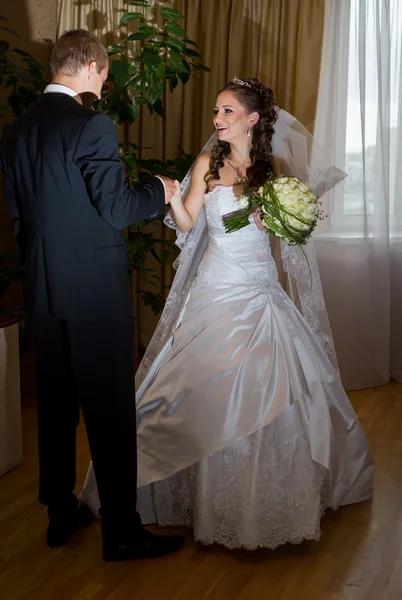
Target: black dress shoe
(62, 524)
(145, 545)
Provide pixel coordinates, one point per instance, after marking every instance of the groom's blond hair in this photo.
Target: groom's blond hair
(74, 50)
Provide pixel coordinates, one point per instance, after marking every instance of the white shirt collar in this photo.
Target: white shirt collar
(59, 89)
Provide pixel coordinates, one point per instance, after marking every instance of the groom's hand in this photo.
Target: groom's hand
(172, 188)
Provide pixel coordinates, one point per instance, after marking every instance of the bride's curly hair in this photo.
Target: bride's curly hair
(256, 98)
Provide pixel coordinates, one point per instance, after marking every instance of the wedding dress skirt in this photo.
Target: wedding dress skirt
(244, 430)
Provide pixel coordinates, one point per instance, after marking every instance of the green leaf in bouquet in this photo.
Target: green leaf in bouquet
(169, 13)
(140, 101)
(175, 29)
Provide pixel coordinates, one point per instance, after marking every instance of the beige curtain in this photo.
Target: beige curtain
(278, 41)
(100, 16)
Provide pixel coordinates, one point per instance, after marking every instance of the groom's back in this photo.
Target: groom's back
(58, 227)
(38, 159)
(51, 124)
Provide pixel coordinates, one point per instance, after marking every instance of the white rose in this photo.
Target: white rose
(311, 208)
(290, 199)
(307, 215)
(303, 187)
(293, 222)
(278, 187)
(294, 184)
(243, 202)
(298, 225)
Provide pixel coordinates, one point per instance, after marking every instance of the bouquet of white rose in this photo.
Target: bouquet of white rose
(289, 208)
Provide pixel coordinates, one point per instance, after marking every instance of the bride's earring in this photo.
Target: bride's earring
(248, 131)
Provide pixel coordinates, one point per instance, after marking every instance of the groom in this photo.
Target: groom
(69, 205)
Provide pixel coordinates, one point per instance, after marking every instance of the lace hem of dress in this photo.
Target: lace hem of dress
(264, 491)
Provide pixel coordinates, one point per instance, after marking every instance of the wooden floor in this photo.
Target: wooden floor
(359, 556)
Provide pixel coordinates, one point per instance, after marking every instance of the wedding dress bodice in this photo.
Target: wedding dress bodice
(242, 257)
(221, 201)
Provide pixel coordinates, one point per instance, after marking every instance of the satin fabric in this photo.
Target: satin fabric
(241, 359)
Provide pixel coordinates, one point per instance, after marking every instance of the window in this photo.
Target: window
(373, 115)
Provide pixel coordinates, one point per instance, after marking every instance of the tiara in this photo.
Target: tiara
(241, 82)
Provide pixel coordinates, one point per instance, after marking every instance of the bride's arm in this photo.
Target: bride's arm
(185, 215)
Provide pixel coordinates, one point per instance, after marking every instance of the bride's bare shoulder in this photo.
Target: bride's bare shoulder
(201, 166)
(203, 161)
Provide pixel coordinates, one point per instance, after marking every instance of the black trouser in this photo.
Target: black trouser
(88, 365)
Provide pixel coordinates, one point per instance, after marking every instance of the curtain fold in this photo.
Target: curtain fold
(278, 41)
(359, 122)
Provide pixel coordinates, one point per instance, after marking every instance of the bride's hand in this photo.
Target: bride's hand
(258, 220)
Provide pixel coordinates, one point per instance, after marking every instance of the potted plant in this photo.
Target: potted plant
(154, 51)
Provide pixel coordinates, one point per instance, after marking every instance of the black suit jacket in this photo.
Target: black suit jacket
(69, 204)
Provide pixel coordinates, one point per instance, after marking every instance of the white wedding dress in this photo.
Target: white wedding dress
(245, 432)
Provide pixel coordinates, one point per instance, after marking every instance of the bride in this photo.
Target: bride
(244, 430)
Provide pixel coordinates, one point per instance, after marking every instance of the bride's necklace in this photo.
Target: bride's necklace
(240, 173)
